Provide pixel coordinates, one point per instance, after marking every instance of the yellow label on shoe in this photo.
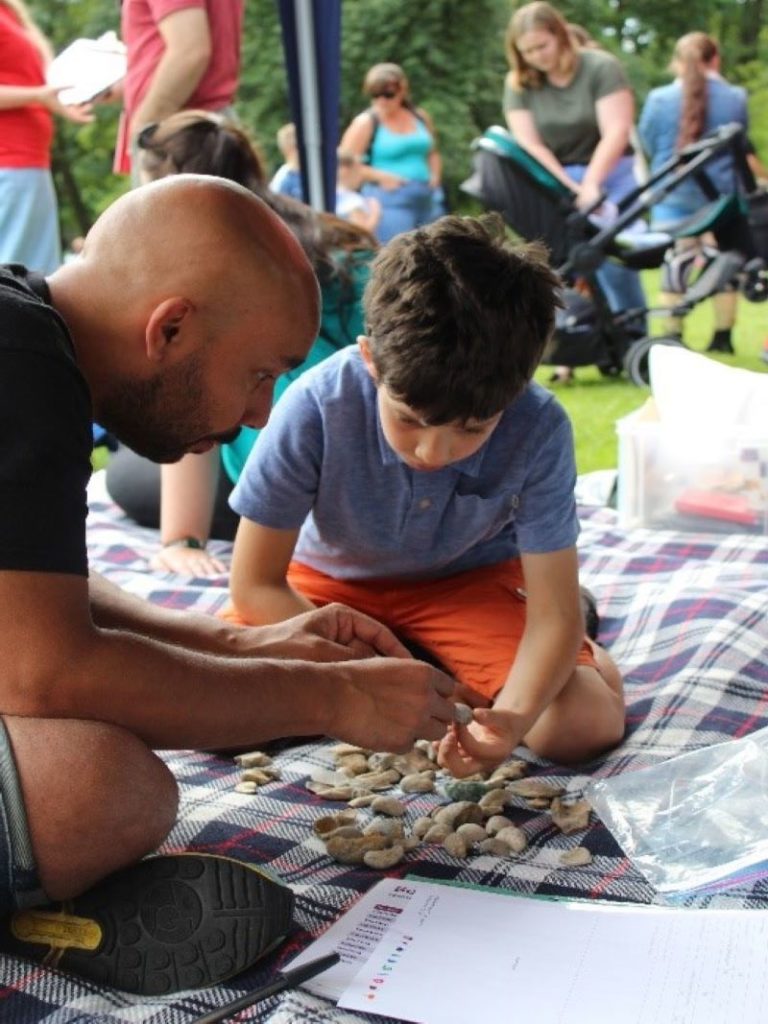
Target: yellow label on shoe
(61, 931)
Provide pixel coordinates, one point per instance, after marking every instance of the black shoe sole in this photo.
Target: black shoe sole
(168, 923)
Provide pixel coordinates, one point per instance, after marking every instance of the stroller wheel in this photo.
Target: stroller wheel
(636, 359)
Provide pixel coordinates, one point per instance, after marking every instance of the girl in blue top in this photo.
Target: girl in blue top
(396, 141)
(674, 115)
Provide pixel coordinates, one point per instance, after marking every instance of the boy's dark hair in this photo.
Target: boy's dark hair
(458, 317)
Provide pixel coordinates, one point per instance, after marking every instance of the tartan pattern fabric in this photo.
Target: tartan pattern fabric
(684, 615)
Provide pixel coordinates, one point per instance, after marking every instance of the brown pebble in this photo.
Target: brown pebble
(472, 833)
(419, 782)
(421, 826)
(496, 823)
(533, 788)
(353, 764)
(459, 813)
(377, 780)
(383, 859)
(494, 847)
(330, 822)
(362, 801)
(261, 776)
(570, 817)
(437, 833)
(576, 857)
(253, 759)
(351, 851)
(343, 749)
(392, 828)
(510, 771)
(388, 805)
(463, 714)
(538, 803)
(413, 762)
(455, 844)
(249, 788)
(513, 837)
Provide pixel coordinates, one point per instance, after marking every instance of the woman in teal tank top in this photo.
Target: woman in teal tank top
(396, 141)
(189, 499)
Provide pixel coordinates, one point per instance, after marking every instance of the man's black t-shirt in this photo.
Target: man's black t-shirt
(45, 433)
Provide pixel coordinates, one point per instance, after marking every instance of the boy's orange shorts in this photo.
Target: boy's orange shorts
(472, 622)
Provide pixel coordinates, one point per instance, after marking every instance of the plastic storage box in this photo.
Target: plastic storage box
(670, 479)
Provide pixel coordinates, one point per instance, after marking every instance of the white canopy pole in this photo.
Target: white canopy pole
(310, 106)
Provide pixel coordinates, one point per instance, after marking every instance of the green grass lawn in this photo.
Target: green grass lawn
(595, 403)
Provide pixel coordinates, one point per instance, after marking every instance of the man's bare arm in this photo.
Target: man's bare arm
(59, 664)
(187, 37)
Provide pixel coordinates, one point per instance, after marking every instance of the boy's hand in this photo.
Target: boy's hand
(195, 562)
(483, 744)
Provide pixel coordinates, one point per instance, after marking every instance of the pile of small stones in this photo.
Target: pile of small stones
(473, 822)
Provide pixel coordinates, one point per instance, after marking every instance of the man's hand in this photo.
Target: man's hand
(332, 633)
(483, 744)
(389, 703)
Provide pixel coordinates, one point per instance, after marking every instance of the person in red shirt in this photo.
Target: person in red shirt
(29, 228)
(181, 54)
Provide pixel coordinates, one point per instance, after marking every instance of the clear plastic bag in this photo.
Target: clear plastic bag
(695, 822)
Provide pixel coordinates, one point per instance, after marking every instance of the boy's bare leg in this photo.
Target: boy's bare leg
(96, 799)
(586, 718)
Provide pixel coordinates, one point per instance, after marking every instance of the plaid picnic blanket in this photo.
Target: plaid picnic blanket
(684, 615)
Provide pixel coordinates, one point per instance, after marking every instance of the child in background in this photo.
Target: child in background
(287, 178)
(425, 479)
(364, 211)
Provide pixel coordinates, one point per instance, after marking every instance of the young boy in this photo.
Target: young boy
(364, 211)
(287, 178)
(423, 478)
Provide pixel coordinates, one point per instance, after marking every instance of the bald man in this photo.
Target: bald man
(189, 299)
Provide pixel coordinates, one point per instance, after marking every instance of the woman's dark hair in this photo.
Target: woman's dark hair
(199, 142)
(693, 54)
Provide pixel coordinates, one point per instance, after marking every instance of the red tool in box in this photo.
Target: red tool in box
(733, 508)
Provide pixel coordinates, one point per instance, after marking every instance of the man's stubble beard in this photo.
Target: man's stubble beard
(160, 418)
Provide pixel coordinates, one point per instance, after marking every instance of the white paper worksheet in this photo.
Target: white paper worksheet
(448, 955)
(88, 67)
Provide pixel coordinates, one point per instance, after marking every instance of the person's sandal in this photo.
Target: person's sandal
(167, 923)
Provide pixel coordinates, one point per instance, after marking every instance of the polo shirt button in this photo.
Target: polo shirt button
(425, 503)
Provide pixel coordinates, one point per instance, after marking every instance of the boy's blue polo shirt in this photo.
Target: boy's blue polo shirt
(322, 464)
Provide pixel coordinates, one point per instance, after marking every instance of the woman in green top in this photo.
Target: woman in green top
(189, 498)
(573, 110)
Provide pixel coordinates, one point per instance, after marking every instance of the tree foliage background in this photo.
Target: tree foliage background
(452, 51)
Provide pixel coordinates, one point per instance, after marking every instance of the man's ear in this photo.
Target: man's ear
(364, 344)
(165, 333)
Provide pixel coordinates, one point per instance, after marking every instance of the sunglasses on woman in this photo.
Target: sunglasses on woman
(387, 94)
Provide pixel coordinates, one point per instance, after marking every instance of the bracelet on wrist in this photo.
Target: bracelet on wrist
(186, 542)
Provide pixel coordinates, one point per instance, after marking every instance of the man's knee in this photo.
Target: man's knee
(96, 799)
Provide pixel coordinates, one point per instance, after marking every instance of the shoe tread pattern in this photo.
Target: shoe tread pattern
(179, 922)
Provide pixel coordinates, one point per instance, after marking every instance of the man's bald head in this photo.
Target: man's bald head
(187, 291)
(180, 234)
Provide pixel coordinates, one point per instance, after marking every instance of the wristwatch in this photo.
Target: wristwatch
(186, 542)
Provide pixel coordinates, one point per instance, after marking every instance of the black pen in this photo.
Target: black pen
(285, 979)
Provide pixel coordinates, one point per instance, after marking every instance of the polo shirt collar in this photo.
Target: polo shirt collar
(471, 466)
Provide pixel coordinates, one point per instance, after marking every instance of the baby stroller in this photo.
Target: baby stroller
(536, 205)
